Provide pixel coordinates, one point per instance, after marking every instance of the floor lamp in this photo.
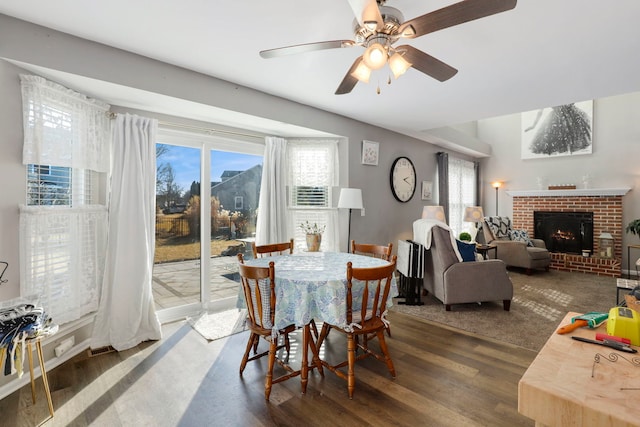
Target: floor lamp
(496, 185)
(350, 198)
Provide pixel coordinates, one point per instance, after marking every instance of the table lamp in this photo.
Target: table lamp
(433, 212)
(350, 198)
(473, 214)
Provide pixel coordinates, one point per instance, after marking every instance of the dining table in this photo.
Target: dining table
(313, 286)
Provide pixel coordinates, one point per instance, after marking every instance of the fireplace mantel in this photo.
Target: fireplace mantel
(570, 193)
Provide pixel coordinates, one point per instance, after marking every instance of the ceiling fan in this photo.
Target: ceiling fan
(379, 27)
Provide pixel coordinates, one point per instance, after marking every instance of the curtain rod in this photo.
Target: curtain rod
(202, 129)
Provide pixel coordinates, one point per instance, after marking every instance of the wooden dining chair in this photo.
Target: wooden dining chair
(272, 249)
(378, 251)
(279, 249)
(363, 319)
(258, 285)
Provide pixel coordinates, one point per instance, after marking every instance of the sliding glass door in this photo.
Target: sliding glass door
(207, 192)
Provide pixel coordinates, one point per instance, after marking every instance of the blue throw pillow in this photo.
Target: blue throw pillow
(467, 250)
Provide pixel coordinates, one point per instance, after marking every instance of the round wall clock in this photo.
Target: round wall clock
(403, 179)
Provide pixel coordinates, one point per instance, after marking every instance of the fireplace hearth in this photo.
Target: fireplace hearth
(565, 232)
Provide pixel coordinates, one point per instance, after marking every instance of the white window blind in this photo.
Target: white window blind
(462, 191)
(56, 185)
(63, 227)
(313, 170)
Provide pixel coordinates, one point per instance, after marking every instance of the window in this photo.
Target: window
(63, 224)
(55, 185)
(313, 169)
(239, 203)
(462, 191)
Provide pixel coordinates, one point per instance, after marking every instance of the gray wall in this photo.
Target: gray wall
(614, 163)
(386, 219)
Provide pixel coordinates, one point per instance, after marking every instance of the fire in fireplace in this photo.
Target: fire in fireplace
(567, 232)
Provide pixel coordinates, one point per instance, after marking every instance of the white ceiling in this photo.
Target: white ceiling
(542, 53)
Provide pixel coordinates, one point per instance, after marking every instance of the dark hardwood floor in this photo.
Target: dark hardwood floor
(444, 378)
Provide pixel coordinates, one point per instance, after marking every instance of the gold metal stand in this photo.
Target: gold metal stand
(38, 342)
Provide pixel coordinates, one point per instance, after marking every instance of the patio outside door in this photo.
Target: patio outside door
(206, 204)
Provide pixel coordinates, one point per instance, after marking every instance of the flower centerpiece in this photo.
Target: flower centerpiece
(314, 235)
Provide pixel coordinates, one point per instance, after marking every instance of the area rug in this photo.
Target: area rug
(213, 326)
(540, 302)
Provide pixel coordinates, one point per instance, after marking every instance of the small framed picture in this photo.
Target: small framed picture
(427, 190)
(370, 153)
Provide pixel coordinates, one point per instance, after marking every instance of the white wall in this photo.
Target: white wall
(614, 163)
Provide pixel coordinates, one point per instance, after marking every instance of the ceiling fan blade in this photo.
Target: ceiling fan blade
(349, 82)
(308, 47)
(426, 63)
(367, 12)
(457, 13)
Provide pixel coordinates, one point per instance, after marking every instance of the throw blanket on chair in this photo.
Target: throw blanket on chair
(422, 234)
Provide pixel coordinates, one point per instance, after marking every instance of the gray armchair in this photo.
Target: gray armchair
(455, 282)
(515, 253)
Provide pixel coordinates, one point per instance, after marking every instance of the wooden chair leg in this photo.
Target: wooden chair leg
(314, 329)
(323, 334)
(304, 364)
(351, 359)
(385, 352)
(506, 304)
(272, 360)
(251, 343)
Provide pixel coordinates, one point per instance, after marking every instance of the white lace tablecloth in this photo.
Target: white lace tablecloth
(312, 285)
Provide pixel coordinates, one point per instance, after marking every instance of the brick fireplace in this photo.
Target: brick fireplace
(606, 205)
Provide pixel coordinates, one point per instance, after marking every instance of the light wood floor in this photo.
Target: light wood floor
(444, 378)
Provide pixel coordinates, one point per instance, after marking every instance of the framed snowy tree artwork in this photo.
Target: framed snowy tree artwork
(564, 130)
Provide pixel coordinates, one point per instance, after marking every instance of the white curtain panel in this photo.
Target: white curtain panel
(63, 127)
(127, 315)
(273, 218)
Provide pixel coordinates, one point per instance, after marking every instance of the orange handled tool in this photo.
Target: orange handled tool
(573, 326)
(592, 320)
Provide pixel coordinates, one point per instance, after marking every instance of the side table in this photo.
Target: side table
(484, 250)
(43, 370)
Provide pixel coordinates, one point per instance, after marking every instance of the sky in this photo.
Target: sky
(186, 163)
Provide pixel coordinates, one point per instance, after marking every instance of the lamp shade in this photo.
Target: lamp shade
(433, 212)
(350, 198)
(398, 65)
(375, 56)
(473, 214)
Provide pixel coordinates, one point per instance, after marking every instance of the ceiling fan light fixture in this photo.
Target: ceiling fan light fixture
(375, 56)
(362, 72)
(398, 65)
